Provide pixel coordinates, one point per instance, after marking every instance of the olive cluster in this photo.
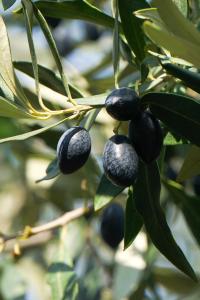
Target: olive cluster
(122, 153)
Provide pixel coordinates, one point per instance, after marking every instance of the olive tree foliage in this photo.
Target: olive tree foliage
(153, 48)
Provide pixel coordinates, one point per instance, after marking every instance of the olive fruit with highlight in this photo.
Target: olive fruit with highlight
(146, 136)
(122, 104)
(112, 225)
(120, 161)
(73, 149)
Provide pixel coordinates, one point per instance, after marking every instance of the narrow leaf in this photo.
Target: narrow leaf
(133, 221)
(175, 22)
(52, 171)
(63, 281)
(170, 140)
(132, 29)
(32, 133)
(179, 113)
(116, 54)
(147, 196)
(190, 206)
(61, 276)
(8, 109)
(81, 10)
(106, 192)
(183, 6)
(51, 42)
(6, 67)
(177, 46)
(97, 100)
(8, 3)
(47, 78)
(191, 165)
(28, 12)
(190, 78)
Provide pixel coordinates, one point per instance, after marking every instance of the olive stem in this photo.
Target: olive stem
(116, 128)
(59, 222)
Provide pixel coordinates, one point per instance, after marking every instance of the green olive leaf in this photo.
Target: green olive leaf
(179, 113)
(133, 221)
(106, 192)
(147, 197)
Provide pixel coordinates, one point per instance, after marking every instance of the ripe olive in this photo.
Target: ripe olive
(73, 149)
(122, 104)
(146, 136)
(112, 225)
(120, 161)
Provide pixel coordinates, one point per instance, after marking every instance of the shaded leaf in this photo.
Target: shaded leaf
(180, 114)
(53, 47)
(131, 28)
(173, 281)
(133, 221)
(190, 206)
(106, 192)
(191, 165)
(116, 39)
(80, 10)
(190, 78)
(47, 78)
(147, 197)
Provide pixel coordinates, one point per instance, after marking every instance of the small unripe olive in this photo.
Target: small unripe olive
(73, 149)
(146, 136)
(120, 161)
(122, 104)
(112, 225)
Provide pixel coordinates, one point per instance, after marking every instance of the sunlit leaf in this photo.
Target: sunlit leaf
(11, 110)
(175, 22)
(177, 46)
(32, 133)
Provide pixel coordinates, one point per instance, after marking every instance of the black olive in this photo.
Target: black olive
(112, 225)
(73, 149)
(146, 136)
(122, 104)
(120, 161)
